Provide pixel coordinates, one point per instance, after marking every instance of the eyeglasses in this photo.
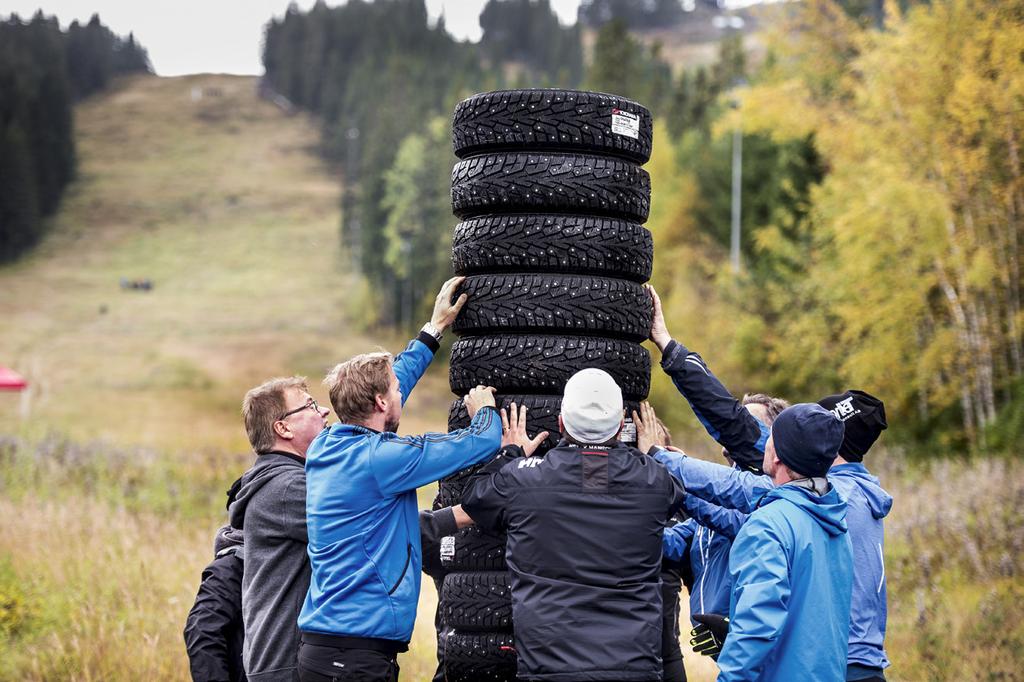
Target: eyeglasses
(310, 405)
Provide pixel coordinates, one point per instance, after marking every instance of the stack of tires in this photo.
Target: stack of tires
(552, 198)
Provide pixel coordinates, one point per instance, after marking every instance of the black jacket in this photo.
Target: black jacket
(213, 629)
(584, 548)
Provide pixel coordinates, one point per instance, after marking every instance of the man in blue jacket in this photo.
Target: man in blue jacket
(791, 562)
(362, 518)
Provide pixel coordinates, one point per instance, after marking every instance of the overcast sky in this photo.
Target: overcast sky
(222, 36)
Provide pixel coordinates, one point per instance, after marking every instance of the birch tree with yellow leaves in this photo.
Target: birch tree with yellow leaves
(915, 262)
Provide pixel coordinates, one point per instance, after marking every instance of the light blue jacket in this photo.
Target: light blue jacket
(708, 536)
(867, 504)
(361, 514)
(792, 571)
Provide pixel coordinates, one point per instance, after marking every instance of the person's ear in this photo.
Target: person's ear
(282, 430)
(380, 403)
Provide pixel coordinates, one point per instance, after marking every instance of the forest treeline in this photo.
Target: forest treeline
(43, 72)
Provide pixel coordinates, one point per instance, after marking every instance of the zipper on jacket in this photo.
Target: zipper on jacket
(408, 558)
(705, 552)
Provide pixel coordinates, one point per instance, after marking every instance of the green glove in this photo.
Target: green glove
(709, 636)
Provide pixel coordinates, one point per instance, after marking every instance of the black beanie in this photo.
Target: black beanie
(806, 438)
(864, 417)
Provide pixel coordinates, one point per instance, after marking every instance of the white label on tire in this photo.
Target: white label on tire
(628, 433)
(625, 123)
(448, 547)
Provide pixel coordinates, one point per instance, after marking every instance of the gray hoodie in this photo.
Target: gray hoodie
(270, 509)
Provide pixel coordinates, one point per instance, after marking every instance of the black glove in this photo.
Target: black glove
(709, 636)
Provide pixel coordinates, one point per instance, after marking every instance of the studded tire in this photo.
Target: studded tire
(552, 119)
(478, 601)
(541, 415)
(550, 183)
(479, 657)
(553, 243)
(475, 550)
(561, 304)
(515, 363)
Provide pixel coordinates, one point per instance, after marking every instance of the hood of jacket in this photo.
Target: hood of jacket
(266, 467)
(828, 510)
(879, 501)
(228, 540)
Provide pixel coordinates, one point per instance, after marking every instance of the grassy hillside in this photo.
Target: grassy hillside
(219, 199)
(215, 196)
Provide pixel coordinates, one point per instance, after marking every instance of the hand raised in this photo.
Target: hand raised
(513, 430)
(445, 311)
(659, 329)
(648, 432)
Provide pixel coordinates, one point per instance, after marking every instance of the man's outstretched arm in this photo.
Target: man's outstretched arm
(724, 417)
(718, 484)
(410, 364)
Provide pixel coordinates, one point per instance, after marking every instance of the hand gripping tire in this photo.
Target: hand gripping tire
(478, 601)
(553, 243)
(550, 183)
(542, 364)
(476, 657)
(594, 122)
(566, 304)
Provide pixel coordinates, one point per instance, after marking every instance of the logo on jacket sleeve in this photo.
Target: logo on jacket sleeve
(529, 462)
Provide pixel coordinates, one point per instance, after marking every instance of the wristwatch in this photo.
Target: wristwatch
(429, 328)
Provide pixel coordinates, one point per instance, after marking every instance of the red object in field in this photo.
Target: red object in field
(11, 380)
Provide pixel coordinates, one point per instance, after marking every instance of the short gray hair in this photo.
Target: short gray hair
(264, 405)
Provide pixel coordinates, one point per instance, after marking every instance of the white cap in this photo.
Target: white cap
(592, 406)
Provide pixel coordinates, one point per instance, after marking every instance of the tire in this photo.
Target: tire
(478, 601)
(474, 657)
(549, 120)
(553, 243)
(542, 364)
(567, 304)
(550, 183)
(542, 415)
(475, 551)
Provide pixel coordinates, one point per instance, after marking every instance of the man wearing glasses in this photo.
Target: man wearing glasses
(281, 420)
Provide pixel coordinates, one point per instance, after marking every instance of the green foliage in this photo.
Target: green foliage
(622, 65)
(418, 231)
(527, 32)
(42, 72)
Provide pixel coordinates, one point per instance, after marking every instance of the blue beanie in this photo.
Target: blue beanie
(807, 438)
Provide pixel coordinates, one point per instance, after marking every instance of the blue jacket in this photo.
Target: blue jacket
(867, 504)
(792, 571)
(707, 535)
(361, 514)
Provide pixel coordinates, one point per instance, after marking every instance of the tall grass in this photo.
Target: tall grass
(101, 549)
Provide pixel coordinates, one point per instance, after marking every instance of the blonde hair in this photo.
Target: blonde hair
(354, 384)
(264, 405)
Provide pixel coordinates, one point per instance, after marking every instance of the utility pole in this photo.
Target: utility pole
(737, 176)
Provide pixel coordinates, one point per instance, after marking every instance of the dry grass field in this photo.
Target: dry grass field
(112, 484)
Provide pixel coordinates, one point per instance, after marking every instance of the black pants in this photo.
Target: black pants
(333, 664)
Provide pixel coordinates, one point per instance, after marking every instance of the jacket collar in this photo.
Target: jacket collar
(289, 455)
